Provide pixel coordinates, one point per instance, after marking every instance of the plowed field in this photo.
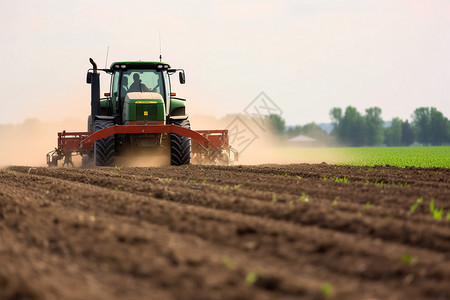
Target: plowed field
(208, 232)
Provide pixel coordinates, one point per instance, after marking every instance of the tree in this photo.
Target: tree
(336, 118)
(374, 126)
(430, 126)
(421, 122)
(314, 131)
(438, 127)
(350, 128)
(311, 130)
(294, 131)
(336, 115)
(276, 124)
(393, 134)
(407, 134)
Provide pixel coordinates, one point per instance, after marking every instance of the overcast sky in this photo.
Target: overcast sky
(306, 55)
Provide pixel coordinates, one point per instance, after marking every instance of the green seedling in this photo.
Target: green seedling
(326, 289)
(192, 181)
(447, 217)
(168, 179)
(228, 262)
(432, 206)
(286, 175)
(237, 186)
(437, 214)
(274, 198)
(118, 168)
(324, 178)
(142, 172)
(118, 187)
(303, 197)
(299, 177)
(204, 181)
(291, 202)
(367, 182)
(337, 179)
(367, 206)
(335, 202)
(408, 259)
(415, 205)
(251, 278)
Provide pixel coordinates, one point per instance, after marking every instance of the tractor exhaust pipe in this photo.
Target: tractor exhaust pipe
(95, 91)
(94, 65)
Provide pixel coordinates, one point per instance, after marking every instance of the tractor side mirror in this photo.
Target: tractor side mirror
(182, 77)
(89, 78)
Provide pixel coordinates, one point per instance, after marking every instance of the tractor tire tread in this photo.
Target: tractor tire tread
(180, 146)
(104, 149)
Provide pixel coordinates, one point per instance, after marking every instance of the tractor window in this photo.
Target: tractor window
(142, 81)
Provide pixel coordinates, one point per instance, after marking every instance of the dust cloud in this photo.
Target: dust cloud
(29, 142)
(255, 144)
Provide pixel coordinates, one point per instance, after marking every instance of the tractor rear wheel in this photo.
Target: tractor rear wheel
(104, 149)
(180, 146)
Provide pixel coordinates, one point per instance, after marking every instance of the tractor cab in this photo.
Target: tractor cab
(139, 92)
(138, 77)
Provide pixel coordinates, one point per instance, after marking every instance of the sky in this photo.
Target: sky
(307, 56)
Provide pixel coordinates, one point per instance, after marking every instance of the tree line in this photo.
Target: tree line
(351, 128)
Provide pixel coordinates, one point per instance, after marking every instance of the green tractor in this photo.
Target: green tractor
(140, 115)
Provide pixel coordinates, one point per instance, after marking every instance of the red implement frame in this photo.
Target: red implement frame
(82, 142)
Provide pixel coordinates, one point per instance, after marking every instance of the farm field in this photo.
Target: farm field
(300, 231)
(425, 157)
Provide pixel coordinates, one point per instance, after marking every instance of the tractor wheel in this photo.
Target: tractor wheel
(180, 146)
(104, 149)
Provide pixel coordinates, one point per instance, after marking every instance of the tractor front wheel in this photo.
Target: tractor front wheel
(104, 149)
(180, 146)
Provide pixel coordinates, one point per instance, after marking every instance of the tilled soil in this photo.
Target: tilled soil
(208, 232)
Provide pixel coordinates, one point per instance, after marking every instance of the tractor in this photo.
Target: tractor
(140, 115)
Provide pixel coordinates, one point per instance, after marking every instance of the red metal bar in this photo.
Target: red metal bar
(71, 140)
(141, 129)
(83, 141)
(216, 138)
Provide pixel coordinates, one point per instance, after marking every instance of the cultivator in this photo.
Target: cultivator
(207, 146)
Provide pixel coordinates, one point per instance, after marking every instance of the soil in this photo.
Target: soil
(208, 232)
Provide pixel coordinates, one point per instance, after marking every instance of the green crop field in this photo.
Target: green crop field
(369, 156)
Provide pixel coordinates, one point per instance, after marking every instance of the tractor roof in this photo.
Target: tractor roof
(139, 65)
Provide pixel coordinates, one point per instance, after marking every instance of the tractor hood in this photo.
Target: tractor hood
(143, 108)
